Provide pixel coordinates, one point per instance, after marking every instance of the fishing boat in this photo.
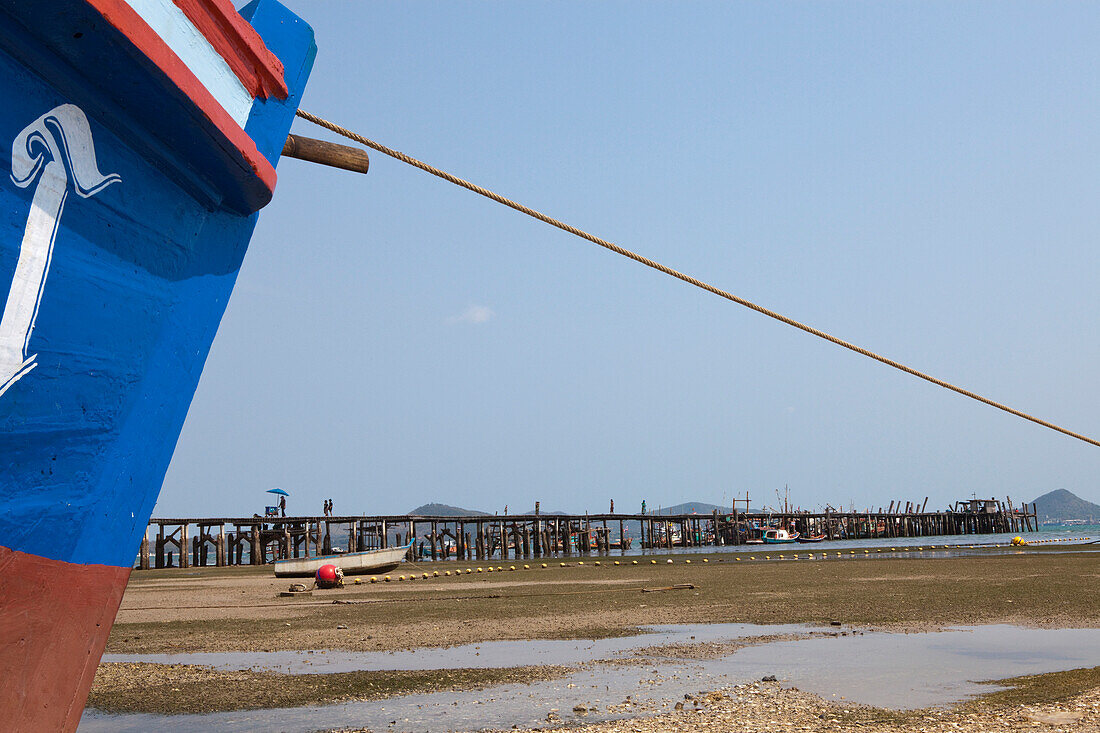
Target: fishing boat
(623, 543)
(352, 563)
(806, 539)
(774, 536)
(144, 136)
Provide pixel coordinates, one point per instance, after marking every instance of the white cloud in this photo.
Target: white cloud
(475, 314)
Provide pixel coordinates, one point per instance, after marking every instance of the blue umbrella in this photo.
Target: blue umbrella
(277, 491)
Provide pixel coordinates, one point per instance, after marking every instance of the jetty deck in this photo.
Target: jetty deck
(198, 541)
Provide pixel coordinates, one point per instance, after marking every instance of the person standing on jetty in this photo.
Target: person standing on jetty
(643, 506)
(282, 505)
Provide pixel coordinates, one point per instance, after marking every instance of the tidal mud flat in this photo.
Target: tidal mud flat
(238, 611)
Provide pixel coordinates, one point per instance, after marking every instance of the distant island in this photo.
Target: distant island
(631, 527)
(435, 509)
(1060, 506)
(690, 507)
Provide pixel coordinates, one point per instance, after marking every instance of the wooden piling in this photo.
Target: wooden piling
(536, 535)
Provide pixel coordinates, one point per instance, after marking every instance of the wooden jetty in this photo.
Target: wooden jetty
(259, 540)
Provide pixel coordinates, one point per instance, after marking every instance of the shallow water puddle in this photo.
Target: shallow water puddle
(917, 670)
(888, 670)
(478, 656)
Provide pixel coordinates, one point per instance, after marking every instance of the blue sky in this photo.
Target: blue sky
(919, 178)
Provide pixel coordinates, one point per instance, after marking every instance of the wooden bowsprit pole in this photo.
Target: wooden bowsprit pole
(325, 153)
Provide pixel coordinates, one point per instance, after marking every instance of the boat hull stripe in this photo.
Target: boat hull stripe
(239, 44)
(195, 50)
(123, 17)
(54, 621)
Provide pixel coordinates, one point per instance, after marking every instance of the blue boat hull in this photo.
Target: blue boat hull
(126, 208)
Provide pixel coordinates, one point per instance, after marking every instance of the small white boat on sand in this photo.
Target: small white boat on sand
(352, 563)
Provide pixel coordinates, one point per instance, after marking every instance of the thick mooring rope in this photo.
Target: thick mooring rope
(679, 275)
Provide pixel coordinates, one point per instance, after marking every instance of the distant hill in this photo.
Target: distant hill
(690, 507)
(436, 509)
(1062, 505)
(445, 510)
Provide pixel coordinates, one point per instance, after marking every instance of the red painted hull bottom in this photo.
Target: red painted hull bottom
(54, 621)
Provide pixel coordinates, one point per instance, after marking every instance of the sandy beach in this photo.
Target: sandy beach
(240, 610)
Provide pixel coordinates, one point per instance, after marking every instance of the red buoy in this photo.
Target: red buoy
(326, 575)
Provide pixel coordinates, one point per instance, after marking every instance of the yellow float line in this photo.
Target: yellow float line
(687, 561)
